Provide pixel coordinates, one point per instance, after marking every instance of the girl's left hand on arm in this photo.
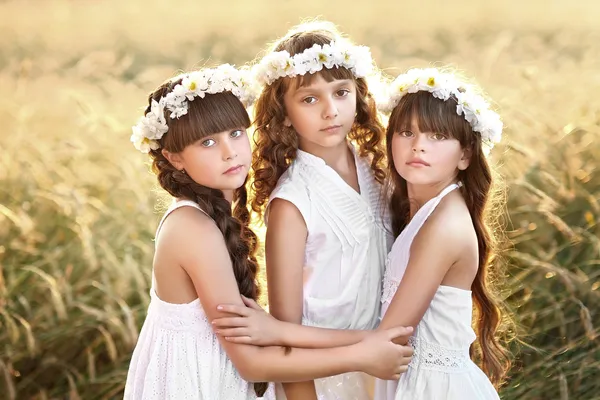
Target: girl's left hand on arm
(249, 325)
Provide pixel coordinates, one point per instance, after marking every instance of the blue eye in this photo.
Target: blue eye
(236, 133)
(208, 143)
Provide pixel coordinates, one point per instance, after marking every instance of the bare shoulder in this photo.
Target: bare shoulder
(282, 212)
(189, 229)
(449, 228)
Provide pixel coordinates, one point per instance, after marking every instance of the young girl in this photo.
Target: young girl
(317, 173)
(439, 132)
(195, 131)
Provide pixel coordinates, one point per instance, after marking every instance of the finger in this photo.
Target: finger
(251, 303)
(406, 360)
(230, 322)
(232, 332)
(234, 309)
(399, 331)
(402, 369)
(239, 339)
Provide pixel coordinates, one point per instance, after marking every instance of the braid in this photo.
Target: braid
(240, 240)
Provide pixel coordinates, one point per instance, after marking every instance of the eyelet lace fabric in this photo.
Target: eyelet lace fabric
(434, 357)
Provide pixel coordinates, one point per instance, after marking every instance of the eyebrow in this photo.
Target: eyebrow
(338, 84)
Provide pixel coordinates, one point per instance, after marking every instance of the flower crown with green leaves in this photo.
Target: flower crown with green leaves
(442, 85)
(224, 78)
(338, 54)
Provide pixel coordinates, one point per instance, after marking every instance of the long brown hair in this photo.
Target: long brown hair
(276, 145)
(212, 114)
(435, 115)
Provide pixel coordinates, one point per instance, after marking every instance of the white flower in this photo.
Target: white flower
(152, 126)
(333, 55)
(473, 107)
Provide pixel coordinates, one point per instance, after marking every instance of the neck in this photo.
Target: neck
(418, 195)
(228, 194)
(338, 157)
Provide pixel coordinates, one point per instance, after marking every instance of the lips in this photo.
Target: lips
(331, 128)
(417, 162)
(235, 169)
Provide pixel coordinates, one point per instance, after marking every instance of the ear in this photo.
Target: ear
(287, 122)
(465, 158)
(174, 158)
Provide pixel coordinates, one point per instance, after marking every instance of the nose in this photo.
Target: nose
(418, 143)
(228, 150)
(330, 110)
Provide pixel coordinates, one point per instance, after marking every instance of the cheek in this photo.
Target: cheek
(399, 148)
(201, 165)
(243, 148)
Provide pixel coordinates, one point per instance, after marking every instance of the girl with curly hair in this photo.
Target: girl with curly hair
(318, 182)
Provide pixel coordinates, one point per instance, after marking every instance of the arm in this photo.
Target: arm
(253, 325)
(208, 264)
(434, 250)
(284, 250)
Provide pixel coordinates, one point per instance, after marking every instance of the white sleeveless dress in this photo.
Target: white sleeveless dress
(344, 257)
(178, 357)
(441, 368)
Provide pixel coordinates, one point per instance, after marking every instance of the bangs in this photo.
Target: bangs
(206, 116)
(329, 75)
(430, 114)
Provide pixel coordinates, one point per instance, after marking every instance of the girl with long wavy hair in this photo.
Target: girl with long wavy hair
(441, 264)
(318, 181)
(194, 129)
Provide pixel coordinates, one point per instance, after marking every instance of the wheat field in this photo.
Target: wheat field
(78, 205)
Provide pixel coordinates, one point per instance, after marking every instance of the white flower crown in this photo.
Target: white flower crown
(335, 54)
(225, 78)
(442, 85)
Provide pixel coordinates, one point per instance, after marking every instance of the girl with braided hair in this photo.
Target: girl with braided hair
(194, 130)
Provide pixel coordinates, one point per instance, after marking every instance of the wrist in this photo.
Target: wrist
(355, 357)
(283, 333)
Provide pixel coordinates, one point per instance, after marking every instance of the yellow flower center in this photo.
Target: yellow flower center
(193, 86)
(431, 81)
(322, 57)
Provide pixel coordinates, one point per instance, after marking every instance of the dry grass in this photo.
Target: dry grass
(77, 207)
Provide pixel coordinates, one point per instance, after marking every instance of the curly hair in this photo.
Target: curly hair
(275, 145)
(212, 114)
(483, 201)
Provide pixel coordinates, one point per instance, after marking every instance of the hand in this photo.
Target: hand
(252, 325)
(381, 357)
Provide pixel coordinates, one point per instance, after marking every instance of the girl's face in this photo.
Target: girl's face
(322, 113)
(218, 161)
(427, 158)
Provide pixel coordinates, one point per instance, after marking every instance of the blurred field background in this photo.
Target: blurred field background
(78, 205)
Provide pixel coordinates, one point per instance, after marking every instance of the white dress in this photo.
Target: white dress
(344, 257)
(441, 368)
(178, 357)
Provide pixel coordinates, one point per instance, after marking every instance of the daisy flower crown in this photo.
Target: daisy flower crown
(339, 54)
(224, 78)
(472, 106)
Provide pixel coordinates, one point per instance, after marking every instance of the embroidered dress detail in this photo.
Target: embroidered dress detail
(344, 256)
